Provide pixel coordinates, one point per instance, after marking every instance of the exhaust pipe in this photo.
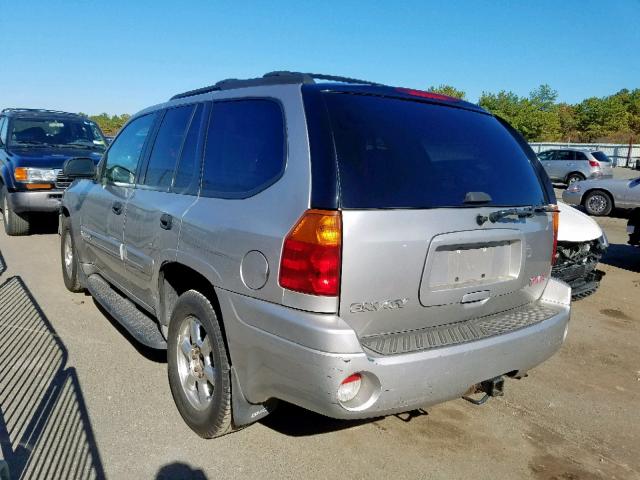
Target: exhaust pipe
(494, 387)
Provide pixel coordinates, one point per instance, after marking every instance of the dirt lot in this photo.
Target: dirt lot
(79, 398)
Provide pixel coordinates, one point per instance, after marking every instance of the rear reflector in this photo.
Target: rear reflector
(556, 221)
(311, 256)
(594, 163)
(349, 388)
(431, 95)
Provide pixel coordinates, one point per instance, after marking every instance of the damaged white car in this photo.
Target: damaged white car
(581, 244)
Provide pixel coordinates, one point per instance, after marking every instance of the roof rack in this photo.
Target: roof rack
(36, 110)
(272, 78)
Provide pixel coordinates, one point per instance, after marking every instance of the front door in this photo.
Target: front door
(548, 162)
(103, 211)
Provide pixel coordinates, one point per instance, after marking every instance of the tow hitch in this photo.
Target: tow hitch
(494, 387)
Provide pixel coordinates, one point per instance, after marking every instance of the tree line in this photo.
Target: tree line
(539, 117)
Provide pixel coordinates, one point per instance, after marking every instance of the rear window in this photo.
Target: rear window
(601, 156)
(406, 154)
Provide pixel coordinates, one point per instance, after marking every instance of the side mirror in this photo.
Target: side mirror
(79, 167)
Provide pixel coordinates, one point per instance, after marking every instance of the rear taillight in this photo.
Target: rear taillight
(594, 163)
(556, 220)
(311, 256)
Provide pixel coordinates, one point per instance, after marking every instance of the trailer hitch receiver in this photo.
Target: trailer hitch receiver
(494, 387)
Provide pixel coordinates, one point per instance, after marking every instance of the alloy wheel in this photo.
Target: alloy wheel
(195, 363)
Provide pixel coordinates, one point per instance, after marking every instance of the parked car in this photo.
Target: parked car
(418, 275)
(34, 144)
(581, 244)
(600, 197)
(633, 227)
(570, 165)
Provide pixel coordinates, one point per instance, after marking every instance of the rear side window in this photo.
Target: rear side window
(245, 148)
(406, 154)
(601, 156)
(580, 156)
(565, 155)
(167, 146)
(187, 179)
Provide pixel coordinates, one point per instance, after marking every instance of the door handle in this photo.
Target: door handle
(116, 208)
(166, 221)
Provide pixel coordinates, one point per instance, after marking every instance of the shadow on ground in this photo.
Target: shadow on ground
(623, 256)
(43, 224)
(45, 431)
(180, 471)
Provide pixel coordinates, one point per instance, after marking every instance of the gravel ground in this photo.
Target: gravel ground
(78, 398)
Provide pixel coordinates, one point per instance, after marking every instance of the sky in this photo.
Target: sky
(122, 56)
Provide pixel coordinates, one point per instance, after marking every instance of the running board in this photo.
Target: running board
(139, 325)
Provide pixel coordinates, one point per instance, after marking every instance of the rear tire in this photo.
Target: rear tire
(573, 178)
(14, 224)
(198, 366)
(598, 203)
(68, 257)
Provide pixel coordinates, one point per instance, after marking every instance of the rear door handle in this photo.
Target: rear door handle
(166, 221)
(116, 208)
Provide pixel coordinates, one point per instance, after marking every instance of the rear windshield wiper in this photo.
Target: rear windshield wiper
(521, 212)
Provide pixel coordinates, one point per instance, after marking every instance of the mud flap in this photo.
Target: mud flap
(245, 413)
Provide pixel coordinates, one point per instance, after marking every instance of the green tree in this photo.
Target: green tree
(448, 90)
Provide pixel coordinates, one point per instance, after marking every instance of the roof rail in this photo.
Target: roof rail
(36, 110)
(272, 78)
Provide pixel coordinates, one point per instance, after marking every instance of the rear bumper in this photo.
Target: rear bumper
(276, 365)
(36, 201)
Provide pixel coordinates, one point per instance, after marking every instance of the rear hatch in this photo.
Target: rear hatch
(414, 177)
(606, 165)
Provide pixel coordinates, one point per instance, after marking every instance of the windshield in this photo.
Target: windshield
(59, 132)
(405, 154)
(601, 156)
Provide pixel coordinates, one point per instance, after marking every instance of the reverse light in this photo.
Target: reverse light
(349, 388)
(431, 95)
(594, 163)
(311, 255)
(555, 216)
(34, 175)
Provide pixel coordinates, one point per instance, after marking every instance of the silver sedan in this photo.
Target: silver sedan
(599, 197)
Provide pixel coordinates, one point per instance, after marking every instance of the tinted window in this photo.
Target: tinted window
(187, 178)
(166, 148)
(245, 150)
(546, 156)
(580, 156)
(565, 155)
(124, 154)
(407, 154)
(601, 156)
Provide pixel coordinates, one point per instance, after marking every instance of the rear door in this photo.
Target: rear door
(168, 186)
(414, 179)
(565, 163)
(102, 213)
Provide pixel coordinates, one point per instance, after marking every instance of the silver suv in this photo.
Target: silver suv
(570, 165)
(344, 246)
